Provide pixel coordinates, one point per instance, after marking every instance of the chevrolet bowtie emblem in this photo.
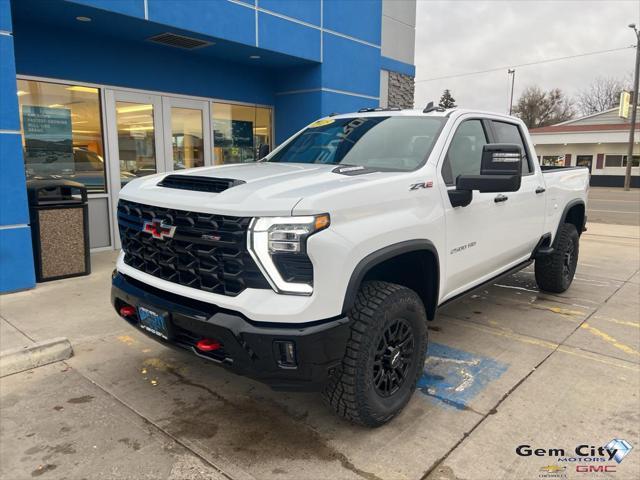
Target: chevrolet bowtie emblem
(552, 469)
(158, 229)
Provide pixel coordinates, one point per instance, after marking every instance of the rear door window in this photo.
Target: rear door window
(510, 133)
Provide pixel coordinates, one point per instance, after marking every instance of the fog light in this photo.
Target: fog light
(286, 354)
(208, 345)
(127, 311)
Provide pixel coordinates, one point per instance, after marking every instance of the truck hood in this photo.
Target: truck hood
(270, 189)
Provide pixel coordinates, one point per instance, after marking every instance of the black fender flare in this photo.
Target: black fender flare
(565, 213)
(386, 253)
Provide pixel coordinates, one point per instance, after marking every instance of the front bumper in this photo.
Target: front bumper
(248, 348)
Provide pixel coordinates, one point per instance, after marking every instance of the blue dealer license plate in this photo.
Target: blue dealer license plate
(153, 322)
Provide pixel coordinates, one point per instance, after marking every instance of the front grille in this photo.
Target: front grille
(294, 267)
(198, 183)
(207, 251)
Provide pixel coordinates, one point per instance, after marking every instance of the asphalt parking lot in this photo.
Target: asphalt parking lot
(508, 366)
(614, 206)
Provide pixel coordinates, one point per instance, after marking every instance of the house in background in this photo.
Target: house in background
(598, 141)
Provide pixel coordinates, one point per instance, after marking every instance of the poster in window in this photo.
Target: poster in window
(48, 140)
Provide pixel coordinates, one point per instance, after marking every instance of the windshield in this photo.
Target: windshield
(382, 143)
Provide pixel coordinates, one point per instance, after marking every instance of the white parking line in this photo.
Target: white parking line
(614, 211)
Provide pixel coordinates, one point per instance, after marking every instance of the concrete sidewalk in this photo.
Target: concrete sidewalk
(507, 366)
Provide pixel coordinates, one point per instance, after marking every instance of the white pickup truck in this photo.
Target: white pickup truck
(318, 266)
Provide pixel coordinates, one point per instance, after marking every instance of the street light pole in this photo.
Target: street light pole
(634, 109)
(512, 72)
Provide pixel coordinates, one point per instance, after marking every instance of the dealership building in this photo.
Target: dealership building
(104, 91)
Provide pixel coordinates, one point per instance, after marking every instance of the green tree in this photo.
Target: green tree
(447, 100)
(538, 108)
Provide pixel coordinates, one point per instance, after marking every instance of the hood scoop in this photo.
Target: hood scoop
(199, 184)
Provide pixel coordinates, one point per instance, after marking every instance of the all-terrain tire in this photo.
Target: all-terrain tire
(370, 387)
(554, 272)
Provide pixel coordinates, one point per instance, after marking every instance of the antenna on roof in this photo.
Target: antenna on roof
(432, 108)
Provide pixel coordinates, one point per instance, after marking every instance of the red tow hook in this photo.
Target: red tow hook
(127, 311)
(208, 345)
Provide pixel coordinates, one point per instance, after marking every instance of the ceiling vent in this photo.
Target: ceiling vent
(179, 41)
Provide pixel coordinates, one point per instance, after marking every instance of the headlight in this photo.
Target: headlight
(281, 238)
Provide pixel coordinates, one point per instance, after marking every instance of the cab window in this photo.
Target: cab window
(510, 133)
(465, 152)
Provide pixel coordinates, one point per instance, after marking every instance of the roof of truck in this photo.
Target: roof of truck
(419, 112)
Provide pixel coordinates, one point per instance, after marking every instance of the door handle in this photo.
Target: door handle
(501, 198)
(540, 190)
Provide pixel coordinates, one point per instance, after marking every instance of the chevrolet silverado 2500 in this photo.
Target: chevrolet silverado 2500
(318, 266)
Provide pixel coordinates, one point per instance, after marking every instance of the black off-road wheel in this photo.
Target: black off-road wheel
(384, 357)
(554, 272)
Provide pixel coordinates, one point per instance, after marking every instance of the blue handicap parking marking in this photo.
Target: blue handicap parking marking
(453, 377)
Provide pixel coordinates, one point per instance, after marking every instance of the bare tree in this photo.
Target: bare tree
(601, 95)
(538, 108)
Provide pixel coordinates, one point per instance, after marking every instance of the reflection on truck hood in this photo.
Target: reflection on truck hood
(269, 188)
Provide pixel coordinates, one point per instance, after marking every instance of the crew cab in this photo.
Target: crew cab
(319, 266)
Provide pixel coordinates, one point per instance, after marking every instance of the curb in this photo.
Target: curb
(38, 354)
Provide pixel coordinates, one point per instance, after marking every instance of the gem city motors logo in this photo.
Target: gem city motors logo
(589, 458)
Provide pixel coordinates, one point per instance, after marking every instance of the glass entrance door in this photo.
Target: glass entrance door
(187, 141)
(134, 140)
(134, 131)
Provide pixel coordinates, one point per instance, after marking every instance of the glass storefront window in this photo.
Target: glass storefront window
(552, 161)
(262, 130)
(238, 132)
(62, 132)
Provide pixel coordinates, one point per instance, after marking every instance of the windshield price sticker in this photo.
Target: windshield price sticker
(322, 122)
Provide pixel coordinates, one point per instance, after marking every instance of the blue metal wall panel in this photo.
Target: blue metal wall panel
(13, 193)
(220, 19)
(393, 65)
(5, 15)
(8, 99)
(332, 102)
(16, 269)
(138, 65)
(305, 10)
(361, 19)
(133, 8)
(294, 111)
(16, 256)
(299, 78)
(350, 66)
(288, 37)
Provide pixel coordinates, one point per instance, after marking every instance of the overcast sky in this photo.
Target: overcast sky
(459, 36)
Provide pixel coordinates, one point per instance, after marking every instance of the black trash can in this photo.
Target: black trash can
(59, 228)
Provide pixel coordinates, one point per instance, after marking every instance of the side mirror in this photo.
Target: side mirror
(500, 170)
(263, 150)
